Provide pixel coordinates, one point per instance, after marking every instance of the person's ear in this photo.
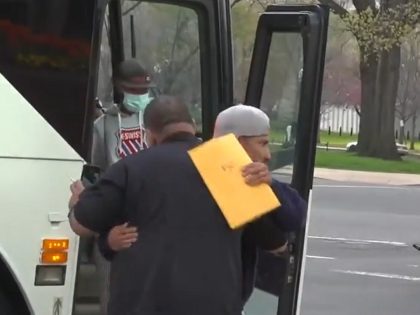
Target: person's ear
(242, 141)
(194, 124)
(151, 139)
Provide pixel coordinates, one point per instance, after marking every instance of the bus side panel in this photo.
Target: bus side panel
(45, 49)
(35, 192)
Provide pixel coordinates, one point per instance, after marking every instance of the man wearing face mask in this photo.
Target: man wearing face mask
(119, 132)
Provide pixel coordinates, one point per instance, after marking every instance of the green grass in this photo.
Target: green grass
(416, 146)
(350, 161)
(277, 136)
(335, 140)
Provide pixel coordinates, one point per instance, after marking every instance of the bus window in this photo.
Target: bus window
(164, 38)
(285, 81)
(44, 53)
(280, 99)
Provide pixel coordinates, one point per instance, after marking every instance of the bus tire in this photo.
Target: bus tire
(5, 306)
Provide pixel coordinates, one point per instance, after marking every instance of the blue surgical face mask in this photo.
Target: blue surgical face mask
(136, 102)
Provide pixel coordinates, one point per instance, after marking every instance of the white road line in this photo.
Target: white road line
(304, 254)
(353, 240)
(414, 266)
(361, 186)
(320, 257)
(378, 274)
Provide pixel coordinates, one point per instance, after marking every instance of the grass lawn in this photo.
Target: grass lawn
(350, 161)
(335, 140)
(277, 136)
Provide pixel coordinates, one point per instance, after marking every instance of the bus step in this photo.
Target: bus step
(87, 284)
(87, 307)
(87, 291)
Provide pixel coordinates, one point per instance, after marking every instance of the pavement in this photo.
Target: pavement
(373, 178)
(397, 179)
(359, 259)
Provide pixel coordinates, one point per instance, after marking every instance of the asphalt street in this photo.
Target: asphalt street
(360, 258)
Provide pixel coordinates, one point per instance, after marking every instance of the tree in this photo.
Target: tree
(407, 106)
(379, 28)
(282, 79)
(341, 85)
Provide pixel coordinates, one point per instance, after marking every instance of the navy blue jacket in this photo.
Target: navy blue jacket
(271, 228)
(182, 231)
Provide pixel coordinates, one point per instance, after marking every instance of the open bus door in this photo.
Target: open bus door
(65, 57)
(290, 41)
(187, 47)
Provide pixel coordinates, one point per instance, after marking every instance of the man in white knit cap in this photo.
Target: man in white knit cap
(252, 128)
(250, 125)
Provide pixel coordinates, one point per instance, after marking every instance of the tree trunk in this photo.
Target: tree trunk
(389, 78)
(401, 134)
(368, 78)
(413, 130)
(376, 137)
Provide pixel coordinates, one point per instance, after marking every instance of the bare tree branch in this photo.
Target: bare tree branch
(131, 8)
(261, 4)
(178, 69)
(234, 2)
(362, 5)
(335, 7)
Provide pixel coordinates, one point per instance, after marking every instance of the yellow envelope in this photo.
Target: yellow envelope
(219, 162)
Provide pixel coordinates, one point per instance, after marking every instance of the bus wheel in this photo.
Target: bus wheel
(5, 306)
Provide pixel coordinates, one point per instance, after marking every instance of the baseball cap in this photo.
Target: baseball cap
(129, 69)
(242, 120)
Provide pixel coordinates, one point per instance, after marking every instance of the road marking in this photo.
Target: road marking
(353, 240)
(320, 257)
(361, 186)
(414, 266)
(378, 274)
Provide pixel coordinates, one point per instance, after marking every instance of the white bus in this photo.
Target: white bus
(57, 59)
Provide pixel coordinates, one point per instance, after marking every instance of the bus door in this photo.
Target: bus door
(285, 80)
(185, 46)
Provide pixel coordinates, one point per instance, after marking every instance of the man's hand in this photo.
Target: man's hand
(76, 189)
(256, 173)
(121, 237)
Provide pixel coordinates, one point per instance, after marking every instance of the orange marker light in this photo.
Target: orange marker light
(53, 257)
(55, 244)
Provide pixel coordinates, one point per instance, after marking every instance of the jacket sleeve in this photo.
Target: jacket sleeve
(265, 234)
(290, 216)
(98, 153)
(104, 248)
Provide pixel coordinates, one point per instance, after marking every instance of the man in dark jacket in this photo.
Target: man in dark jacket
(269, 233)
(187, 259)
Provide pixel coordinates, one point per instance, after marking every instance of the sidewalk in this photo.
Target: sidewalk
(397, 179)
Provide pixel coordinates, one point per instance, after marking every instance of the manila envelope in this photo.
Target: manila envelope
(219, 162)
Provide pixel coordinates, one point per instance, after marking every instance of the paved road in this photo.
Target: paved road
(359, 259)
